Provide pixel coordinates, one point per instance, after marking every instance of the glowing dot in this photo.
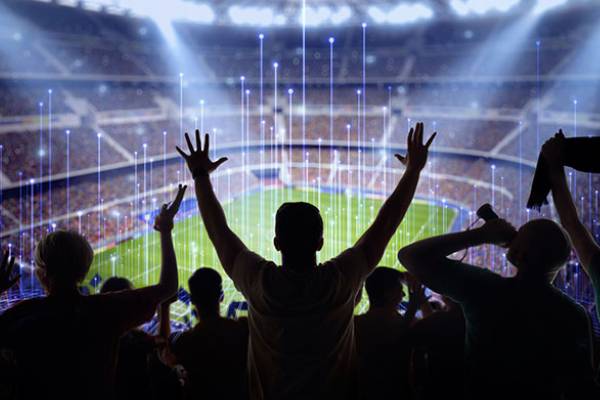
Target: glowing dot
(275, 65)
(181, 74)
(202, 101)
(364, 24)
(261, 36)
(50, 91)
(290, 91)
(358, 91)
(98, 135)
(331, 40)
(242, 78)
(164, 133)
(68, 132)
(247, 91)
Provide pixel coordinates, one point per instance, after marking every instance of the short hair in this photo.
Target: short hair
(298, 227)
(65, 256)
(379, 282)
(206, 287)
(116, 284)
(549, 244)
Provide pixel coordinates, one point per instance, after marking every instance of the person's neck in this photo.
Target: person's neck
(389, 311)
(299, 263)
(534, 278)
(208, 313)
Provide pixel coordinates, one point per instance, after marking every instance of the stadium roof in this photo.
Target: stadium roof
(318, 12)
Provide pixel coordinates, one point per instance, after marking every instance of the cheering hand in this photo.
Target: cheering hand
(198, 160)
(164, 220)
(416, 156)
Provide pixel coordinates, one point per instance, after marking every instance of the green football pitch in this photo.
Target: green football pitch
(252, 217)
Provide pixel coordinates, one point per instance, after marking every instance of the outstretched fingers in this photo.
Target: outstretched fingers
(400, 158)
(182, 153)
(220, 161)
(198, 141)
(419, 138)
(206, 143)
(430, 140)
(189, 143)
(179, 197)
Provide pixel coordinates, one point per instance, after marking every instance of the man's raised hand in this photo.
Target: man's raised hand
(164, 220)
(198, 161)
(7, 279)
(554, 150)
(416, 156)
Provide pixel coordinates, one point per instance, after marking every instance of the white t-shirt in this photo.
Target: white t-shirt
(301, 326)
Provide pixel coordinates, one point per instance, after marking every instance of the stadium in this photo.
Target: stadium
(308, 100)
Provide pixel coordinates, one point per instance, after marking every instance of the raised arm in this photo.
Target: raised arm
(7, 278)
(428, 259)
(130, 308)
(226, 242)
(169, 280)
(376, 238)
(582, 240)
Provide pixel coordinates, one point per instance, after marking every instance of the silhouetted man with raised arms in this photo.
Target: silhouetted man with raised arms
(524, 338)
(301, 314)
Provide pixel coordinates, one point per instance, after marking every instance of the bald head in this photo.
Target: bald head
(541, 247)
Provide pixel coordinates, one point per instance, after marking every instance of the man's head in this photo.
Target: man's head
(298, 229)
(384, 287)
(540, 248)
(116, 284)
(63, 259)
(206, 289)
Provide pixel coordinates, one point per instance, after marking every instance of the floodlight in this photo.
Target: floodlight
(400, 14)
(480, 7)
(543, 6)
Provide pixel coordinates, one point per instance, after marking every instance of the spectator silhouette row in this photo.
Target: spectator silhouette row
(491, 337)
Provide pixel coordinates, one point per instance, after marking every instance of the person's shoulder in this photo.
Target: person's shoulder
(25, 307)
(567, 305)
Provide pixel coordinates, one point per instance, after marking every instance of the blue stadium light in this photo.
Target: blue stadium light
(331, 40)
(401, 14)
(542, 6)
(480, 7)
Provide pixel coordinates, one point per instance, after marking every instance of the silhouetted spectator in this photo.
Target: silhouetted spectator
(588, 251)
(214, 352)
(439, 353)
(140, 372)
(301, 315)
(524, 338)
(382, 336)
(65, 344)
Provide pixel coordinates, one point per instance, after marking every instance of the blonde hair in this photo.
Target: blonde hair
(64, 256)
